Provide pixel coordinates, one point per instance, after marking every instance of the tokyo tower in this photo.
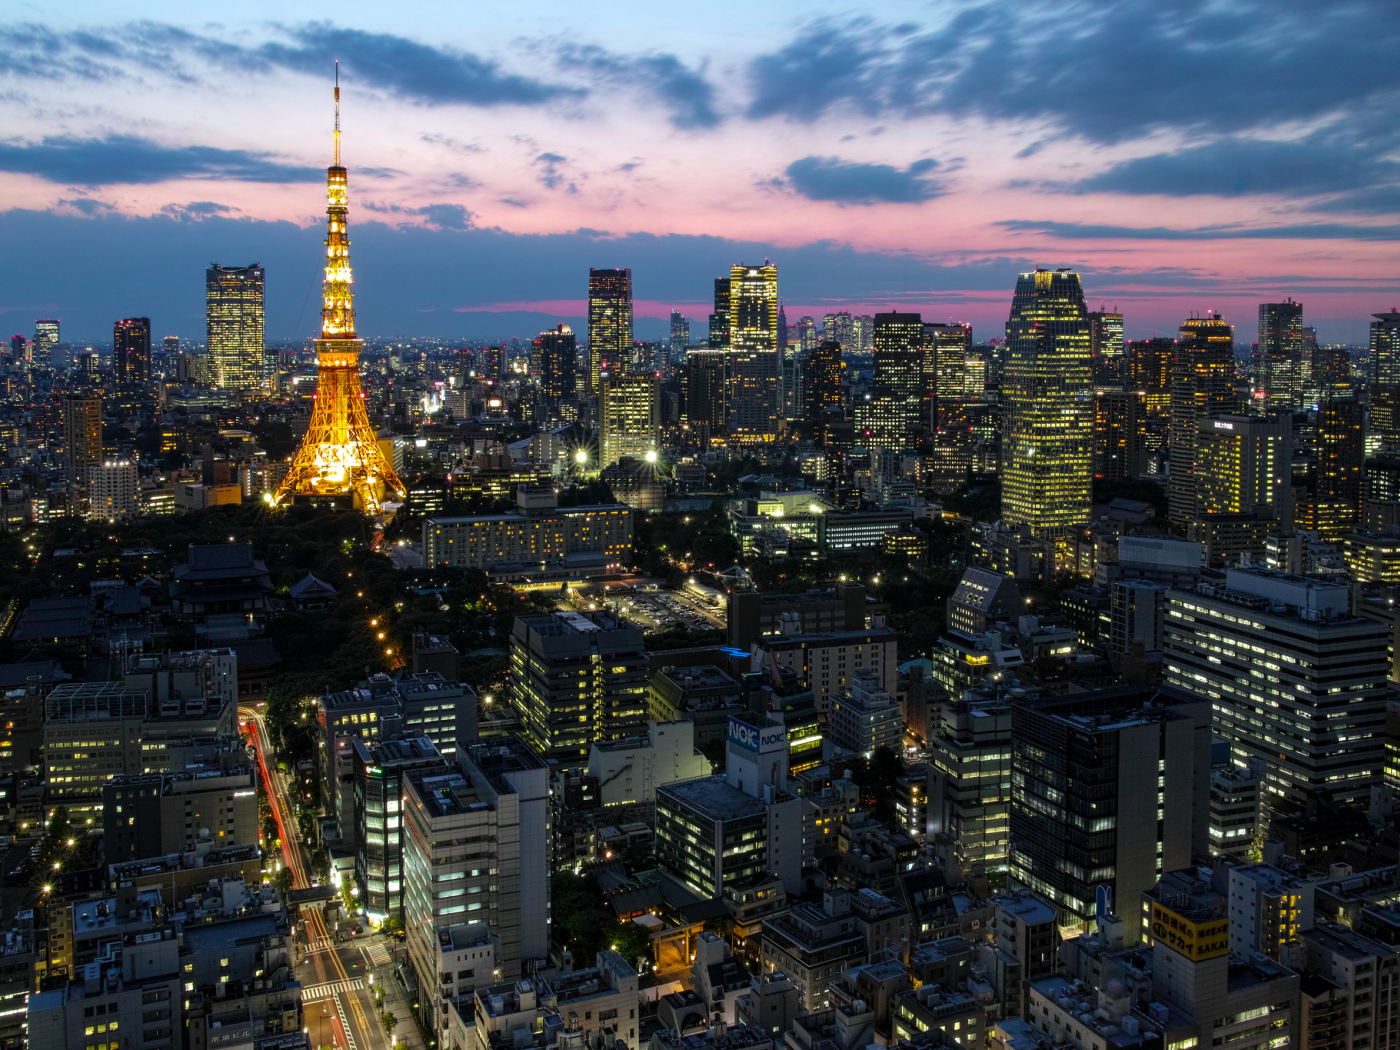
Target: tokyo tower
(340, 453)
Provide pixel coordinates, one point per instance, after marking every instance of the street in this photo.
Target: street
(336, 979)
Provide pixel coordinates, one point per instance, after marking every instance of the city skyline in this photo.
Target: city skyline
(1242, 185)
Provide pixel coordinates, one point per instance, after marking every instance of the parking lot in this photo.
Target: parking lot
(654, 611)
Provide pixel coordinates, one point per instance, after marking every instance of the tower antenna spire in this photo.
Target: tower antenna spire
(337, 112)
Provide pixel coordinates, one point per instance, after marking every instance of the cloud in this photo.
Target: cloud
(1104, 71)
(1235, 167)
(413, 71)
(402, 67)
(684, 91)
(550, 176)
(1302, 231)
(446, 216)
(848, 182)
(195, 210)
(126, 159)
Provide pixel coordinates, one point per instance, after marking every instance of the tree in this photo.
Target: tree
(389, 1021)
(632, 942)
(393, 924)
(284, 881)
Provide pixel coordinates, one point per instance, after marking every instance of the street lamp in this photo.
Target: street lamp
(581, 457)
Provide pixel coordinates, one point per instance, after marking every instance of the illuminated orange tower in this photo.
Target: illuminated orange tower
(340, 453)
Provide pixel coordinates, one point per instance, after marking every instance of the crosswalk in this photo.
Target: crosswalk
(330, 988)
(378, 955)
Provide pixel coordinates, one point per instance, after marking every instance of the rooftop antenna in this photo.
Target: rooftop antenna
(337, 112)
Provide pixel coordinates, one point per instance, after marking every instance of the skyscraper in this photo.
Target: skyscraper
(1334, 504)
(1278, 359)
(45, 339)
(754, 375)
(234, 320)
(782, 331)
(822, 381)
(680, 335)
(806, 333)
(558, 362)
(719, 320)
(899, 366)
(609, 323)
(82, 433)
(840, 327)
(1150, 371)
(630, 413)
(704, 388)
(131, 350)
(19, 348)
(1119, 445)
(1049, 414)
(1106, 346)
(946, 346)
(1202, 386)
(1385, 347)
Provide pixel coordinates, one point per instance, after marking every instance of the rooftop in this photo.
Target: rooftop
(715, 799)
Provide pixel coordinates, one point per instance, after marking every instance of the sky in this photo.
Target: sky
(1182, 156)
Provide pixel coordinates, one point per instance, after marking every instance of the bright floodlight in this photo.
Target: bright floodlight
(651, 455)
(581, 456)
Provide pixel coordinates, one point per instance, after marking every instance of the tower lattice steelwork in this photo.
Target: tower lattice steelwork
(340, 453)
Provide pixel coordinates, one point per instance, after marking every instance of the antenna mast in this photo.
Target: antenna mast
(337, 112)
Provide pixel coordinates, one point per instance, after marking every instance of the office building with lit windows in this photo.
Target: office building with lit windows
(131, 350)
(113, 491)
(45, 339)
(821, 378)
(630, 411)
(946, 348)
(1244, 464)
(1048, 444)
(380, 767)
(557, 357)
(1202, 386)
(234, 318)
(476, 848)
(1333, 506)
(1141, 757)
(1296, 680)
(577, 679)
(703, 389)
(609, 324)
(969, 747)
(82, 433)
(1120, 436)
(755, 359)
(1278, 360)
(680, 335)
(1150, 371)
(1106, 347)
(1385, 348)
(899, 365)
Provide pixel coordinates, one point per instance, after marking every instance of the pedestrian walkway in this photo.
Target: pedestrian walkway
(396, 1003)
(378, 955)
(330, 988)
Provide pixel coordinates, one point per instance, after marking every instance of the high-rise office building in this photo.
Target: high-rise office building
(1297, 681)
(578, 679)
(1136, 805)
(492, 364)
(113, 491)
(1106, 346)
(1120, 452)
(1150, 371)
(45, 339)
(680, 335)
(1385, 348)
(754, 361)
(782, 331)
(839, 327)
(609, 324)
(558, 363)
(234, 302)
(821, 378)
(1334, 504)
(82, 433)
(131, 350)
(1244, 465)
(170, 346)
(703, 389)
(19, 348)
(719, 320)
(899, 364)
(1048, 446)
(807, 335)
(630, 413)
(946, 349)
(1278, 361)
(1203, 377)
(863, 333)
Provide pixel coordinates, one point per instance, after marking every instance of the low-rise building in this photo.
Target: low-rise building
(865, 717)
